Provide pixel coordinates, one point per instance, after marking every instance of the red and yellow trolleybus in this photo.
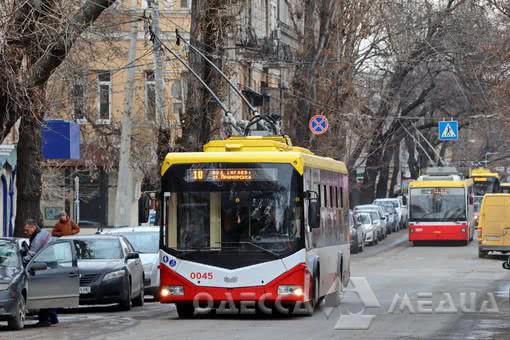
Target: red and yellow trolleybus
(441, 210)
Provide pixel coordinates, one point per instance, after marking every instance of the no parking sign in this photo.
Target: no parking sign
(318, 124)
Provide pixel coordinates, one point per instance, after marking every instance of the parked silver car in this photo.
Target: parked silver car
(357, 234)
(381, 217)
(397, 204)
(50, 280)
(391, 213)
(145, 240)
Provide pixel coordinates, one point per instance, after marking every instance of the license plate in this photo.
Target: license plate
(84, 290)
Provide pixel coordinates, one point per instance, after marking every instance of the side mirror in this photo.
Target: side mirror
(506, 265)
(132, 256)
(38, 266)
(314, 214)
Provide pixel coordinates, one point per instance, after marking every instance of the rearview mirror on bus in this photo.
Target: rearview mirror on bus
(506, 265)
(314, 215)
(314, 209)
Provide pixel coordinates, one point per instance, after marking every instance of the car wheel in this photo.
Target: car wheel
(376, 240)
(139, 301)
(355, 248)
(482, 254)
(185, 310)
(126, 304)
(156, 295)
(362, 245)
(17, 322)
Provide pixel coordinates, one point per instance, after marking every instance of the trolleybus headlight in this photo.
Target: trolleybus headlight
(290, 290)
(463, 230)
(172, 291)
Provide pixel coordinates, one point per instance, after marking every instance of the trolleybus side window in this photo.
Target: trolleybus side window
(331, 197)
(325, 197)
(341, 197)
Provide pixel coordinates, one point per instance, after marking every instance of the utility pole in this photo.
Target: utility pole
(158, 69)
(126, 179)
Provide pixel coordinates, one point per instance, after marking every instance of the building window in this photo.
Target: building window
(177, 97)
(79, 101)
(104, 89)
(185, 3)
(150, 95)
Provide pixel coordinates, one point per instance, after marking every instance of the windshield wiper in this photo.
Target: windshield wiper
(253, 245)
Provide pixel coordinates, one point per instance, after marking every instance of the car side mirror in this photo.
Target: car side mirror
(132, 256)
(383, 218)
(506, 265)
(38, 266)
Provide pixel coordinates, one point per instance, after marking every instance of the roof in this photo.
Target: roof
(137, 229)
(251, 149)
(94, 236)
(446, 184)
(482, 172)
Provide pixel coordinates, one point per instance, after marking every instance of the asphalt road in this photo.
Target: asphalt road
(428, 292)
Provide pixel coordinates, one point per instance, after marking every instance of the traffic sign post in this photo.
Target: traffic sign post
(448, 130)
(318, 124)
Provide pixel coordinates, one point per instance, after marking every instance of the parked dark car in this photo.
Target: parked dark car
(111, 271)
(357, 235)
(50, 280)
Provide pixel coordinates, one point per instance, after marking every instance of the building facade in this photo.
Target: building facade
(90, 88)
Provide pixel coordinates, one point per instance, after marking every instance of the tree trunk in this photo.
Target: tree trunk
(384, 172)
(29, 171)
(396, 170)
(208, 31)
(414, 167)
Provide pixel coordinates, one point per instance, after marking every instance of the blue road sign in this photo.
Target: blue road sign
(318, 124)
(448, 130)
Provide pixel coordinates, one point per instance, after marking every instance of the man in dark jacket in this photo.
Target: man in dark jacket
(39, 238)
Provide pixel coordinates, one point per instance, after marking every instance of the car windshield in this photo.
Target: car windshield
(438, 204)
(98, 249)
(143, 242)
(9, 256)
(363, 219)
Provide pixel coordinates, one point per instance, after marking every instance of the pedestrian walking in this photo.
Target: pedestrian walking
(39, 238)
(65, 226)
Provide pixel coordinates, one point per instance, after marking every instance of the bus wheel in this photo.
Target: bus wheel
(185, 310)
(482, 254)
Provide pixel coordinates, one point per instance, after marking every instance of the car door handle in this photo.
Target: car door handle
(73, 275)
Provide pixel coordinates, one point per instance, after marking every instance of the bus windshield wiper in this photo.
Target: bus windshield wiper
(253, 245)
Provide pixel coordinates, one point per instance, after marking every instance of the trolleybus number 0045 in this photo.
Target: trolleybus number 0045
(201, 276)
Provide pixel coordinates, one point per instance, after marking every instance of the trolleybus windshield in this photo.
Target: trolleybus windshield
(236, 207)
(483, 185)
(438, 204)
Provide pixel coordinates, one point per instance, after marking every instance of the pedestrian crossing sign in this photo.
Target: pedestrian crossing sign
(448, 130)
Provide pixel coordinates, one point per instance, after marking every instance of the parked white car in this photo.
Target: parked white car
(371, 229)
(145, 240)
